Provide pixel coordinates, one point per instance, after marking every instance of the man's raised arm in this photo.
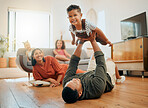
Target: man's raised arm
(73, 65)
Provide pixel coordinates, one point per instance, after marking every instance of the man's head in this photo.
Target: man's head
(72, 91)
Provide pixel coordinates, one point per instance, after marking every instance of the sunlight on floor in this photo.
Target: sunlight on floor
(19, 79)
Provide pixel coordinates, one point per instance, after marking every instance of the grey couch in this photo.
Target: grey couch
(21, 59)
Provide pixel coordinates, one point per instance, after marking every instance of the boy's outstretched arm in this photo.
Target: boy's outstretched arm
(73, 38)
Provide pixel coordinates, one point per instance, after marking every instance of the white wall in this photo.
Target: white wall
(117, 10)
(61, 22)
(57, 8)
(37, 5)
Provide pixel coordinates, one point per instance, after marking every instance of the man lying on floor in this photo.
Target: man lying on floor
(87, 85)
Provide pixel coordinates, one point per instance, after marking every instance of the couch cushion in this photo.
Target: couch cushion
(81, 62)
(48, 51)
(84, 62)
(62, 62)
(21, 51)
(26, 63)
(83, 54)
(70, 50)
(29, 63)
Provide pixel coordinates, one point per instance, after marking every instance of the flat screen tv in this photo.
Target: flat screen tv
(134, 26)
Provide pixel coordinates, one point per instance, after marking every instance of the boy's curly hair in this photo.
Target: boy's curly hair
(72, 7)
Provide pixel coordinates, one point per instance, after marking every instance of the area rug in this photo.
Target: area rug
(6, 73)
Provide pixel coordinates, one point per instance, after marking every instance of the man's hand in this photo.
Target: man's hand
(91, 38)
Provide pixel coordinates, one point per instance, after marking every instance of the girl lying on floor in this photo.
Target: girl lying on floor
(47, 68)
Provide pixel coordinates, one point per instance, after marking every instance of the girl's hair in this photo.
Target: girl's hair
(33, 61)
(25, 43)
(72, 7)
(63, 44)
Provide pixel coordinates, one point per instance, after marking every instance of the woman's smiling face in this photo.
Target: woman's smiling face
(38, 55)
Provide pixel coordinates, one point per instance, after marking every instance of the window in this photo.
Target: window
(101, 25)
(29, 25)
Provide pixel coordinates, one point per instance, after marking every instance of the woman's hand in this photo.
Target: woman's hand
(54, 83)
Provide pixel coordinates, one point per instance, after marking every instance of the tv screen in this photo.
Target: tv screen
(134, 26)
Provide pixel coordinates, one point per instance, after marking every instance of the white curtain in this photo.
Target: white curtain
(31, 26)
(101, 24)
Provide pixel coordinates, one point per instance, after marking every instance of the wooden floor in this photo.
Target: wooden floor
(17, 93)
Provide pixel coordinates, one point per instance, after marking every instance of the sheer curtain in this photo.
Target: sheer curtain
(31, 26)
(101, 24)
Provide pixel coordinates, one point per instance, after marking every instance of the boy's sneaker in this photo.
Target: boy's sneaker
(121, 80)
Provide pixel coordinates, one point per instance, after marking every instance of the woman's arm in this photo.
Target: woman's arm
(36, 74)
(59, 79)
(58, 69)
(54, 82)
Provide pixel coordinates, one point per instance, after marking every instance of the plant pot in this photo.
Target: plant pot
(12, 63)
(3, 62)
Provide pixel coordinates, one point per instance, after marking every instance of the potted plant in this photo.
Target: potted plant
(3, 49)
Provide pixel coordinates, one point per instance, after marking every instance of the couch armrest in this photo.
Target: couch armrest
(22, 63)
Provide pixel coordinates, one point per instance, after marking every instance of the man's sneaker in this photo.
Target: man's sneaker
(121, 80)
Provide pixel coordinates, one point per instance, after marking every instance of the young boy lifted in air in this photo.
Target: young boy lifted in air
(82, 28)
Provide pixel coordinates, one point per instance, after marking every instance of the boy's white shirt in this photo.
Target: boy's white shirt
(88, 26)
